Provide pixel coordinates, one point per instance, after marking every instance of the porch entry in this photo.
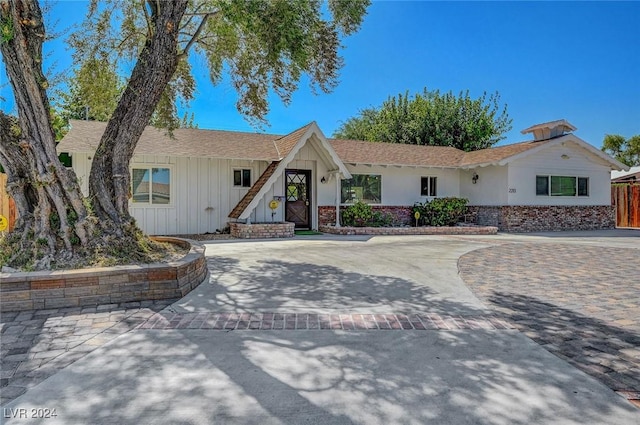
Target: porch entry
(298, 198)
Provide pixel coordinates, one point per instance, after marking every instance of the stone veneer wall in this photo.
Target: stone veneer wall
(519, 218)
(104, 285)
(262, 230)
(401, 214)
(423, 230)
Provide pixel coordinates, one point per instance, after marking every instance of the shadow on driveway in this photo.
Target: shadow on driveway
(580, 302)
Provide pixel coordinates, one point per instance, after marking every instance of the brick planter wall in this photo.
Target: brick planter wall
(426, 230)
(544, 218)
(262, 230)
(104, 285)
(400, 214)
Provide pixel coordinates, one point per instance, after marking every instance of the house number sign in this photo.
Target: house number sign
(274, 204)
(512, 190)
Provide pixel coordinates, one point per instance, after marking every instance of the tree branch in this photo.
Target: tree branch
(196, 34)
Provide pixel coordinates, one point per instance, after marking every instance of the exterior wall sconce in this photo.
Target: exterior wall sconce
(323, 180)
(475, 177)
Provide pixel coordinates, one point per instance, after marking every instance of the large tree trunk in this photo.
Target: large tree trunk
(53, 224)
(109, 182)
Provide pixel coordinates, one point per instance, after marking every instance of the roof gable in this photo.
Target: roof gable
(503, 155)
(289, 144)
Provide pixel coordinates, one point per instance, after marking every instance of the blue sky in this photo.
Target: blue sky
(548, 60)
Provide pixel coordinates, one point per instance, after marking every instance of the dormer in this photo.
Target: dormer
(549, 130)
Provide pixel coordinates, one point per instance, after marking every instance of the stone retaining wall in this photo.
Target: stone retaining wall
(426, 230)
(262, 230)
(520, 218)
(104, 285)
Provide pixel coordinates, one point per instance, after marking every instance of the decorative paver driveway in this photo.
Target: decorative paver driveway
(581, 302)
(37, 344)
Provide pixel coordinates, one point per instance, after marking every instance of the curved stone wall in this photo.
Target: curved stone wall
(104, 285)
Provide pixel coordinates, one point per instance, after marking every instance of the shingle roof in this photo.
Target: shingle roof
(285, 143)
(84, 136)
(374, 153)
(253, 191)
(492, 155)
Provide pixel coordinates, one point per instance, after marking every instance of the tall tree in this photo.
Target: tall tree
(262, 45)
(432, 118)
(624, 150)
(92, 93)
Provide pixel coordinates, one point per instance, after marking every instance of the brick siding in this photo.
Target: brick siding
(400, 214)
(262, 230)
(521, 218)
(104, 285)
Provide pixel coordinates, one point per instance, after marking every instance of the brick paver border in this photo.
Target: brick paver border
(313, 321)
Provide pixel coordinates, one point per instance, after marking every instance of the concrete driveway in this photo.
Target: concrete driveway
(451, 360)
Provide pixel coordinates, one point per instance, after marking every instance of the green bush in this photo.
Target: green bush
(441, 211)
(363, 215)
(357, 215)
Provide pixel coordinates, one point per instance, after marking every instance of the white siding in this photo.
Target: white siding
(401, 185)
(81, 164)
(202, 192)
(307, 158)
(490, 188)
(577, 162)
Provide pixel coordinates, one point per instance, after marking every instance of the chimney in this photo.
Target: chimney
(549, 130)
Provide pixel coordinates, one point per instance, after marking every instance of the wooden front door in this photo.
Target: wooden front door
(298, 202)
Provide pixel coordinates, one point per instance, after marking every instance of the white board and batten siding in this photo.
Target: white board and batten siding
(307, 158)
(201, 192)
(567, 159)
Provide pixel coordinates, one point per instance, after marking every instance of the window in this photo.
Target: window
(362, 187)
(242, 178)
(562, 186)
(428, 186)
(151, 185)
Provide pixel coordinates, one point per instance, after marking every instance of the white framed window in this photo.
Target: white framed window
(429, 186)
(242, 177)
(151, 185)
(562, 186)
(362, 187)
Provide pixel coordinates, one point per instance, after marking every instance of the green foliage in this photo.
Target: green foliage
(433, 119)
(93, 92)
(360, 215)
(263, 46)
(624, 150)
(6, 29)
(441, 211)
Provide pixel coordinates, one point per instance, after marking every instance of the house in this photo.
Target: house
(630, 176)
(200, 180)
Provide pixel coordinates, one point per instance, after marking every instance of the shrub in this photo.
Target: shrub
(357, 215)
(441, 211)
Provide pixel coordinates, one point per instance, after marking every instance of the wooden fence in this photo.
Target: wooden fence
(626, 198)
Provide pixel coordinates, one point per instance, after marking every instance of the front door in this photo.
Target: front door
(298, 193)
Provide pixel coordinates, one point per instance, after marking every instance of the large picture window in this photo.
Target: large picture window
(362, 187)
(428, 186)
(562, 186)
(151, 185)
